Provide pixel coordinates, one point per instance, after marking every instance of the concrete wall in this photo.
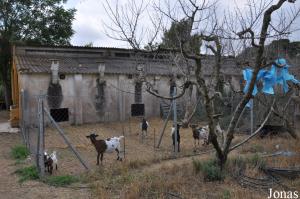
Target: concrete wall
(80, 90)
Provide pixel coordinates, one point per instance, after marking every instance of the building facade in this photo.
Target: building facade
(98, 84)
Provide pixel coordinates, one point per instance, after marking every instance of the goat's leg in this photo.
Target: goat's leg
(117, 150)
(51, 169)
(56, 166)
(101, 158)
(98, 155)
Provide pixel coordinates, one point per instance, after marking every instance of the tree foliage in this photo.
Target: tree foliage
(44, 22)
(179, 34)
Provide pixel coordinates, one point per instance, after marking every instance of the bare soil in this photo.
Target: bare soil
(141, 159)
(10, 188)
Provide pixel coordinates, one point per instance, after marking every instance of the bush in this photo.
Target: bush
(19, 152)
(60, 180)
(257, 161)
(28, 173)
(211, 171)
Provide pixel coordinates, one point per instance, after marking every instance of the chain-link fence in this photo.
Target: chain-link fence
(261, 105)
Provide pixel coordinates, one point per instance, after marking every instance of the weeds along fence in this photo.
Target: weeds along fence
(35, 116)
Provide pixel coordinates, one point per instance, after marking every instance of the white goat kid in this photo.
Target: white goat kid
(53, 156)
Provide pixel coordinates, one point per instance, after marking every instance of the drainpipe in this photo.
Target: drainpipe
(54, 71)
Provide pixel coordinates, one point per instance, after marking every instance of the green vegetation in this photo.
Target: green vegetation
(257, 161)
(210, 170)
(58, 181)
(226, 194)
(28, 173)
(19, 152)
(33, 22)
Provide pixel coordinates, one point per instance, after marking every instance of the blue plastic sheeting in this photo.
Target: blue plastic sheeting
(270, 78)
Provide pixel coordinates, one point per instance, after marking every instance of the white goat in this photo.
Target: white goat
(53, 156)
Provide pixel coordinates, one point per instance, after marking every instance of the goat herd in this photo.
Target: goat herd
(112, 144)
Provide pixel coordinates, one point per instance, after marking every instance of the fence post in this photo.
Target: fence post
(41, 142)
(61, 132)
(124, 141)
(251, 116)
(22, 123)
(175, 122)
(165, 125)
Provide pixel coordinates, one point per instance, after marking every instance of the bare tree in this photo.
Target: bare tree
(204, 30)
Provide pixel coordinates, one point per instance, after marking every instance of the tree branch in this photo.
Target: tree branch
(257, 130)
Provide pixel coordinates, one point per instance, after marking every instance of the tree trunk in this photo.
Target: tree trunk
(5, 70)
(7, 93)
(188, 108)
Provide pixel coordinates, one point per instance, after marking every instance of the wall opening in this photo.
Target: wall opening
(60, 114)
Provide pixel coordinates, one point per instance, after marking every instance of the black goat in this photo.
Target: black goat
(48, 163)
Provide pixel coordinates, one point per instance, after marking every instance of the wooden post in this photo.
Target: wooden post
(165, 125)
(61, 132)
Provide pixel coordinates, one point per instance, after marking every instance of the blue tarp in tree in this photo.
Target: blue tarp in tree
(269, 78)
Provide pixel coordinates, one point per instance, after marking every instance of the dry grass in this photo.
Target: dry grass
(148, 172)
(137, 153)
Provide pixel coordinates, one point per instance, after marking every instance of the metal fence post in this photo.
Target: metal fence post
(61, 132)
(175, 121)
(251, 115)
(41, 142)
(22, 123)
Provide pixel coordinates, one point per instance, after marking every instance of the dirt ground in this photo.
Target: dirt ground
(136, 148)
(140, 157)
(10, 188)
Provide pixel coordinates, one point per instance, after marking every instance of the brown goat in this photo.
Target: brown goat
(108, 145)
(199, 133)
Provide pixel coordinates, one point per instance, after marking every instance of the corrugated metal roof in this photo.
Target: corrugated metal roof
(74, 60)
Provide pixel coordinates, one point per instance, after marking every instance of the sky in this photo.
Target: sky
(91, 16)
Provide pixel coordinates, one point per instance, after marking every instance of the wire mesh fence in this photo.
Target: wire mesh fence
(44, 127)
(71, 112)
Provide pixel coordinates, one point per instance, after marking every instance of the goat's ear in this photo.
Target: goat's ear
(96, 135)
(88, 136)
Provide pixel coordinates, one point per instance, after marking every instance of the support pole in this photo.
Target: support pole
(154, 139)
(251, 115)
(61, 132)
(124, 141)
(165, 125)
(40, 152)
(175, 122)
(23, 117)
